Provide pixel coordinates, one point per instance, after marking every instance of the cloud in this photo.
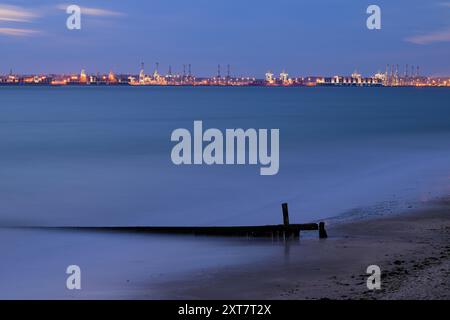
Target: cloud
(16, 32)
(433, 37)
(16, 14)
(96, 12)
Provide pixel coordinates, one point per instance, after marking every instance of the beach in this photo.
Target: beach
(412, 250)
(197, 155)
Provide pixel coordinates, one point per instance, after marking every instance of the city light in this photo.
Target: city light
(390, 78)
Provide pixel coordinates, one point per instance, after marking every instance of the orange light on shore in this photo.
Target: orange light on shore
(58, 82)
(111, 77)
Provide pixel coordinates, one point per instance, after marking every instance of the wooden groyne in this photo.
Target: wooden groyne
(284, 231)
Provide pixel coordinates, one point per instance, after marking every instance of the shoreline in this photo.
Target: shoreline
(412, 250)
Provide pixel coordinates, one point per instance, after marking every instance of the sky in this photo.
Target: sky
(304, 37)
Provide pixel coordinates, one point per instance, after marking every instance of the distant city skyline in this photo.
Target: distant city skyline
(302, 37)
(392, 77)
(224, 71)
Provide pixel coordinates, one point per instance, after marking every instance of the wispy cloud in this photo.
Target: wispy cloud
(16, 14)
(432, 37)
(96, 12)
(16, 32)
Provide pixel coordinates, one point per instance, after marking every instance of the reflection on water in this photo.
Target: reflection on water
(84, 156)
(115, 265)
(101, 156)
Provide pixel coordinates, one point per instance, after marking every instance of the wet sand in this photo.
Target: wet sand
(412, 250)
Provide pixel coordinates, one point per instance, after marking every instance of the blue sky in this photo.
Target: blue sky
(304, 37)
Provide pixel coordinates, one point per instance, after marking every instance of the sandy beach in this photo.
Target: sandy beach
(412, 250)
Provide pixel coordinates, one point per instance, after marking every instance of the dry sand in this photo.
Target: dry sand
(412, 250)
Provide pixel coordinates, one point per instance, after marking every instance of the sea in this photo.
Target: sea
(101, 156)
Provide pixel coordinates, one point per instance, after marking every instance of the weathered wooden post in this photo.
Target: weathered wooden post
(322, 231)
(286, 232)
(285, 214)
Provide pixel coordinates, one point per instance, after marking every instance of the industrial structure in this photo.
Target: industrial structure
(391, 77)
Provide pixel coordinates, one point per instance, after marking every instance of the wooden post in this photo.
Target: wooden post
(285, 214)
(322, 231)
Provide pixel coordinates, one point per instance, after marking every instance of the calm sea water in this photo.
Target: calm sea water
(101, 156)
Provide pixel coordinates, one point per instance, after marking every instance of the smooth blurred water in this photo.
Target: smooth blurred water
(101, 156)
(115, 265)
